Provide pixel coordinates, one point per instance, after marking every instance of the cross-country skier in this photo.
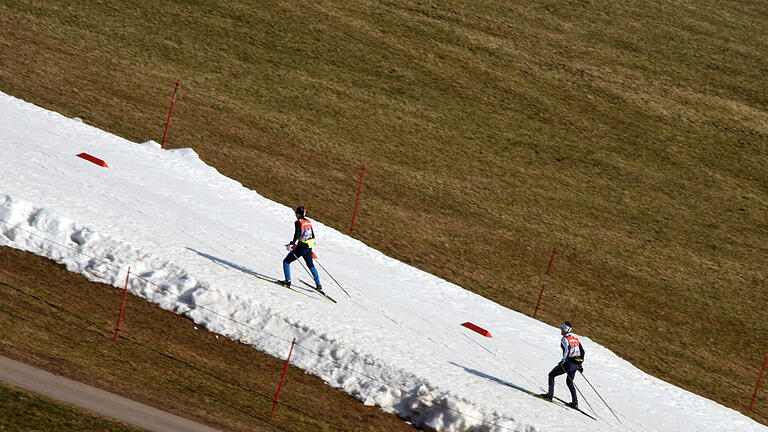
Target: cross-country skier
(301, 247)
(573, 356)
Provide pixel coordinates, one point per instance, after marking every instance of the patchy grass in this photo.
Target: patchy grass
(23, 411)
(632, 136)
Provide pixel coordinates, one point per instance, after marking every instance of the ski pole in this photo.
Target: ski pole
(307, 270)
(579, 390)
(331, 276)
(585, 399)
(601, 398)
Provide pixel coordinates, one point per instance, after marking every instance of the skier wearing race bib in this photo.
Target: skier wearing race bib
(301, 247)
(573, 356)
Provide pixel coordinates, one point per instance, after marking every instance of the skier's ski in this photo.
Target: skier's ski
(277, 282)
(562, 403)
(318, 291)
(568, 406)
(559, 402)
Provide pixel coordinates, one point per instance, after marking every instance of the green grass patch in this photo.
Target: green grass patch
(23, 411)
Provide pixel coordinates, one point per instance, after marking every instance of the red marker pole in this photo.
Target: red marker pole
(280, 387)
(122, 305)
(759, 378)
(357, 200)
(168, 122)
(546, 276)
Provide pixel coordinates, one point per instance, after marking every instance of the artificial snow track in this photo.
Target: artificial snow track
(191, 236)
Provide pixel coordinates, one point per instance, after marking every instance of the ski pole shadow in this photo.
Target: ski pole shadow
(556, 401)
(238, 267)
(495, 379)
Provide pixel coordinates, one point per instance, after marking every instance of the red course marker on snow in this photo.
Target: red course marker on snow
(95, 160)
(478, 329)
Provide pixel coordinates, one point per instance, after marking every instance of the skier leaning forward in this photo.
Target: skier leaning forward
(573, 356)
(301, 247)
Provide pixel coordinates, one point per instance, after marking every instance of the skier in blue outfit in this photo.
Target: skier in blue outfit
(301, 247)
(573, 356)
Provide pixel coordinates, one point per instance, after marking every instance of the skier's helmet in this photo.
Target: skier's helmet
(567, 326)
(301, 211)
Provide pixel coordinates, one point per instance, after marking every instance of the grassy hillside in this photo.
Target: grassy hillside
(632, 136)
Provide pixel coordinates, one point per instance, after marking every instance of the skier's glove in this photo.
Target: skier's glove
(288, 247)
(581, 368)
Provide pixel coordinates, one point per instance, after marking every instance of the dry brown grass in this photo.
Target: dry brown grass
(630, 135)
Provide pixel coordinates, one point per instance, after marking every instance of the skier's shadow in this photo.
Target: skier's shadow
(494, 379)
(226, 263)
(230, 264)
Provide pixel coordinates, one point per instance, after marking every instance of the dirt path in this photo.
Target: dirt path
(94, 399)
